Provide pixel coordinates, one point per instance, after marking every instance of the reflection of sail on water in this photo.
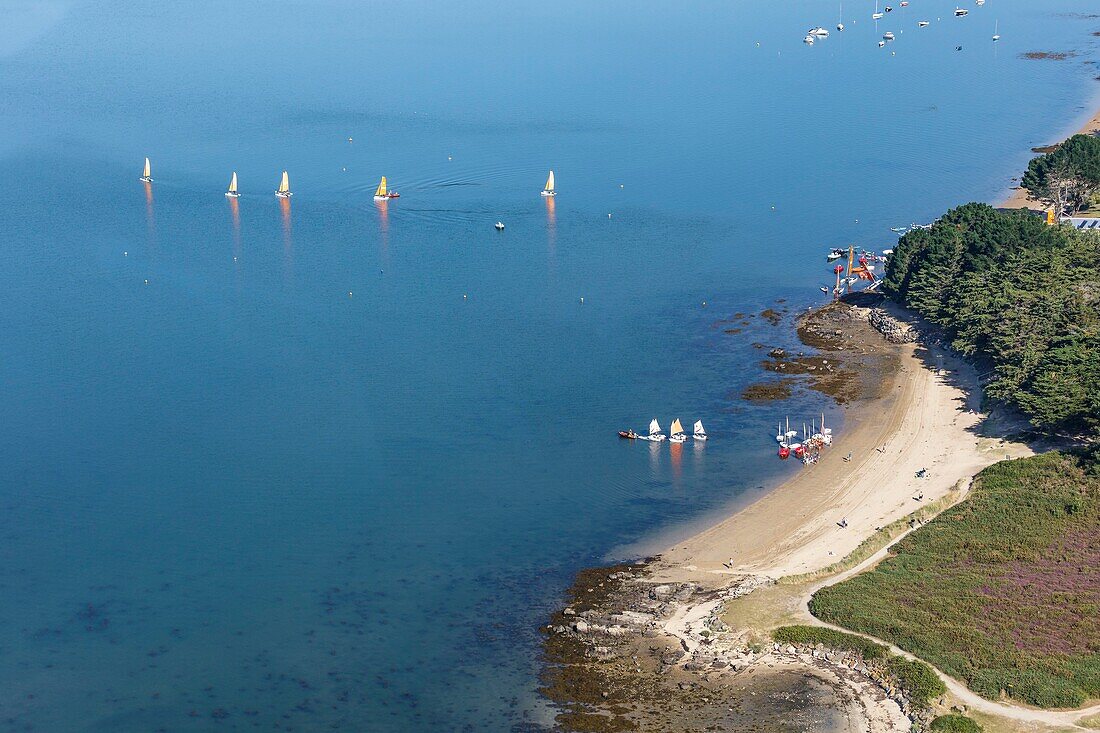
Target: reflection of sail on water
(383, 206)
(288, 240)
(235, 218)
(150, 217)
(551, 224)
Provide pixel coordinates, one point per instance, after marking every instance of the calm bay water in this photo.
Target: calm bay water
(297, 480)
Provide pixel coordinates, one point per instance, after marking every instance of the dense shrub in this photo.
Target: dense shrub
(916, 678)
(830, 638)
(955, 724)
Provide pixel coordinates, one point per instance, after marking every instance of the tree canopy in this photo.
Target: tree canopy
(1067, 178)
(1021, 297)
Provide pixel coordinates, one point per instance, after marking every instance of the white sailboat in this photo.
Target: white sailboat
(996, 31)
(698, 432)
(146, 173)
(284, 191)
(655, 433)
(840, 21)
(922, 23)
(876, 15)
(548, 190)
(232, 191)
(676, 432)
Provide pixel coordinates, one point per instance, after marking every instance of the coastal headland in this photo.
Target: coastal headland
(682, 640)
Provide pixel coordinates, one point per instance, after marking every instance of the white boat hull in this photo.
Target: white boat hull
(232, 194)
(145, 179)
(652, 438)
(284, 194)
(678, 438)
(549, 193)
(381, 198)
(699, 436)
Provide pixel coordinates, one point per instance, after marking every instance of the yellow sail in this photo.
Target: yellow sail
(284, 185)
(381, 191)
(676, 427)
(146, 172)
(550, 182)
(233, 183)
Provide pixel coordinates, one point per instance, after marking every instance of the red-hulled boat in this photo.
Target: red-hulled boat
(784, 453)
(628, 434)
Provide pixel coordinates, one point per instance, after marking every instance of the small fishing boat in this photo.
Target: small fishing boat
(922, 23)
(808, 40)
(960, 12)
(819, 31)
(232, 191)
(382, 193)
(499, 226)
(835, 254)
(697, 431)
(979, 3)
(628, 434)
(146, 173)
(676, 432)
(655, 434)
(904, 3)
(881, 44)
(888, 9)
(284, 191)
(888, 36)
(548, 189)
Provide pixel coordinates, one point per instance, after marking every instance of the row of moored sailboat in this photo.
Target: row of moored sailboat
(676, 432)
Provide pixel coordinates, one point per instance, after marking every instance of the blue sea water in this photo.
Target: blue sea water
(327, 464)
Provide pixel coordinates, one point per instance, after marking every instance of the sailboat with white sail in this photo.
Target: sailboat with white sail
(548, 189)
(231, 192)
(876, 15)
(284, 191)
(697, 431)
(655, 434)
(676, 432)
(840, 22)
(146, 173)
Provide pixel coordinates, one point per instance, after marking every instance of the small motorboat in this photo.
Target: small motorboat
(996, 30)
(960, 12)
(835, 254)
(808, 40)
(676, 432)
(383, 193)
(697, 431)
(904, 3)
(499, 226)
(979, 3)
(888, 36)
(922, 23)
(784, 452)
(146, 173)
(548, 189)
(232, 191)
(284, 191)
(823, 289)
(798, 449)
(819, 31)
(881, 44)
(628, 434)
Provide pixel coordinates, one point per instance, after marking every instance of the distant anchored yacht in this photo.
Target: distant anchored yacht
(284, 191)
(146, 173)
(232, 190)
(548, 189)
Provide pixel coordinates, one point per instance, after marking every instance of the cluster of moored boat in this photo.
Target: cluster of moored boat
(815, 34)
(807, 449)
(676, 432)
(382, 193)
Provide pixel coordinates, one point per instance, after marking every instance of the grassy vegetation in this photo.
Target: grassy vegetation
(830, 638)
(954, 724)
(1002, 591)
(916, 678)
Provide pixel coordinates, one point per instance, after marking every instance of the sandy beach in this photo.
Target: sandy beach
(1017, 198)
(927, 419)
